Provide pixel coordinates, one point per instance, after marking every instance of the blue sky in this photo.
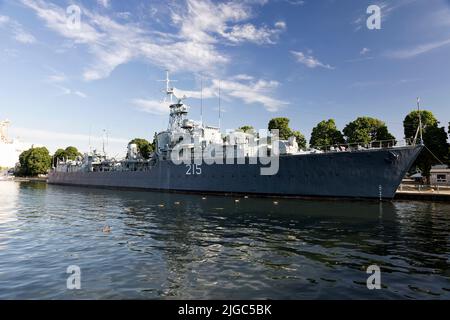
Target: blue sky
(306, 60)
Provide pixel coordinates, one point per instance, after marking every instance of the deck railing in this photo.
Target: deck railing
(357, 146)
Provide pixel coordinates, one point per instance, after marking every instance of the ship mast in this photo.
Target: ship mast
(419, 128)
(420, 120)
(178, 110)
(220, 111)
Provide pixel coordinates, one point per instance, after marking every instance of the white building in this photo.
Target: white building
(9, 149)
(440, 175)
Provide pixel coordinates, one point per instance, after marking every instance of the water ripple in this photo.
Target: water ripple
(182, 246)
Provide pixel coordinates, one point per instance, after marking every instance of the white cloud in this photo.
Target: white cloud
(243, 77)
(4, 20)
(250, 33)
(123, 15)
(61, 136)
(202, 25)
(309, 60)
(359, 59)
(57, 79)
(80, 94)
(192, 49)
(66, 91)
(55, 140)
(54, 78)
(240, 87)
(17, 31)
(206, 21)
(363, 84)
(296, 2)
(364, 51)
(104, 3)
(253, 92)
(280, 25)
(418, 50)
(151, 106)
(24, 37)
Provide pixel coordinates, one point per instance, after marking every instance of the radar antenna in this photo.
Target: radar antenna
(169, 89)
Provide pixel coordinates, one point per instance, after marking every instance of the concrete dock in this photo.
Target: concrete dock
(425, 193)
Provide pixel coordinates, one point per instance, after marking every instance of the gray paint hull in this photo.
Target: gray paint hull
(360, 174)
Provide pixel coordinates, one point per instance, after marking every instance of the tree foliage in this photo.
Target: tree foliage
(247, 129)
(282, 124)
(34, 161)
(301, 140)
(144, 147)
(367, 129)
(58, 155)
(325, 134)
(434, 138)
(70, 153)
(411, 122)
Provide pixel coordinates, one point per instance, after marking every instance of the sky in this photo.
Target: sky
(64, 80)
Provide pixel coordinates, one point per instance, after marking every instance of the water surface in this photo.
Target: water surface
(169, 246)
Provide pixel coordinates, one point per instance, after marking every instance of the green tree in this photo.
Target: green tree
(58, 155)
(155, 136)
(325, 134)
(411, 122)
(144, 147)
(301, 141)
(434, 138)
(282, 124)
(366, 129)
(384, 134)
(72, 153)
(246, 129)
(34, 161)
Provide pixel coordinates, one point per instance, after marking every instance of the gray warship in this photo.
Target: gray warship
(243, 164)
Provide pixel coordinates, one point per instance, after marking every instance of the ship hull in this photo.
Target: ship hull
(374, 174)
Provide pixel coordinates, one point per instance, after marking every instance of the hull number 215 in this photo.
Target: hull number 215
(193, 169)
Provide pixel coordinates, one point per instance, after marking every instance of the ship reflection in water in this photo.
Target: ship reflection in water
(162, 245)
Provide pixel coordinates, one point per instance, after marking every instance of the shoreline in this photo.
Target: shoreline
(439, 196)
(29, 179)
